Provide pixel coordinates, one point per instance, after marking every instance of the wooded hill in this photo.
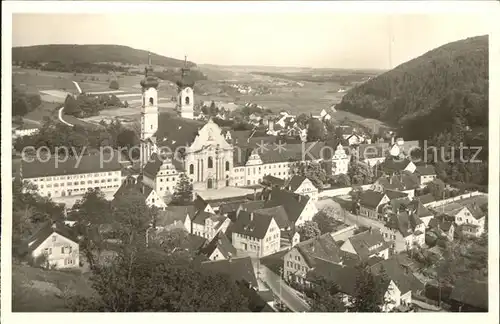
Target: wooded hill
(69, 53)
(441, 96)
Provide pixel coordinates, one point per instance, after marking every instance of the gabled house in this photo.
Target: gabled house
(137, 186)
(402, 182)
(354, 139)
(270, 182)
(257, 235)
(302, 186)
(426, 173)
(470, 219)
(426, 199)
(299, 208)
(175, 217)
(442, 226)
(370, 201)
(397, 165)
(372, 154)
(404, 230)
(340, 161)
(400, 148)
(207, 225)
(306, 255)
(218, 248)
(366, 245)
(395, 294)
(241, 270)
(57, 244)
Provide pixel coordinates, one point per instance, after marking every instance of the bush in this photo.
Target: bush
(114, 85)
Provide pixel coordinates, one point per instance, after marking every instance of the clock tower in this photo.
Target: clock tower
(149, 113)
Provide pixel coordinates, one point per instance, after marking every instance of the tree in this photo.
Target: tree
(315, 130)
(114, 85)
(325, 222)
(90, 212)
(308, 230)
(150, 280)
(183, 193)
(436, 188)
(369, 291)
(71, 106)
(324, 297)
(127, 138)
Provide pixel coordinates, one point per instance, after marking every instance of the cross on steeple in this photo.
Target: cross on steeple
(149, 58)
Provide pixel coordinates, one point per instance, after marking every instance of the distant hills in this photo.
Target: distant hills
(429, 94)
(70, 54)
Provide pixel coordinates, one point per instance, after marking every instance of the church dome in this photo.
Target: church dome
(149, 82)
(185, 82)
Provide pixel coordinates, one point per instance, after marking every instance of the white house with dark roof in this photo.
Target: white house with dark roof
(426, 173)
(219, 248)
(403, 182)
(299, 208)
(470, 219)
(370, 201)
(59, 245)
(404, 230)
(305, 255)
(137, 186)
(302, 186)
(58, 178)
(366, 245)
(257, 235)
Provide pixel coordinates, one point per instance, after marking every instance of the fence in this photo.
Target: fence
(340, 191)
(452, 199)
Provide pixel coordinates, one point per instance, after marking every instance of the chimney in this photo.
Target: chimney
(392, 139)
(251, 217)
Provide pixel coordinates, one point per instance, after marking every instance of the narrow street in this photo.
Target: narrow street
(286, 294)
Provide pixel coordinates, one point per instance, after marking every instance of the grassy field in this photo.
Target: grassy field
(38, 290)
(46, 109)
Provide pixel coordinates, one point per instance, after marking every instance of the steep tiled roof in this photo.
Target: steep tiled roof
(239, 269)
(174, 131)
(425, 199)
(400, 182)
(370, 198)
(441, 222)
(364, 241)
(322, 247)
(425, 170)
(395, 194)
(293, 203)
(343, 277)
(201, 216)
(395, 272)
(173, 214)
(419, 209)
(222, 243)
(279, 214)
(295, 182)
(47, 230)
(133, 185)
(391, 165)
(88, 164)
(471, 293)
(252, 225)
(273, 181)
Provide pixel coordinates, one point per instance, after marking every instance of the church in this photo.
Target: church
(172, 144)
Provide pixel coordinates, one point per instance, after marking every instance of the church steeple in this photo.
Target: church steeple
(185, 80)
(149, 112)
(185, 93)
(149, 80)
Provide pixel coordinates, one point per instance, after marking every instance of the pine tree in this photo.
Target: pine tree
(183, 193)
(368, 294)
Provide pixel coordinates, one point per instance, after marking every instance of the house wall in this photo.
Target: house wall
(392, 297)
(77, 184)
(308, 213)
(216, 255)
(166, 179)
(154, 200)
(294, 265)
(259, 247)
(340, 191)
(61, 259)
(308, 189)
(437, 203)
(424, 179)
(464, 217)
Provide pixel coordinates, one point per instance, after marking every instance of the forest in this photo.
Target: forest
(440, 97)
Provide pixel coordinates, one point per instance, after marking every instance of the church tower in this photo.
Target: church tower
(185, 93)
(149, 113)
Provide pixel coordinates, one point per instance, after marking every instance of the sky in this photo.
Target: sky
(320, 40)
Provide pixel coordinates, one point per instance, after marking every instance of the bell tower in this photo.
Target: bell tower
(149, 112)
(185, 93)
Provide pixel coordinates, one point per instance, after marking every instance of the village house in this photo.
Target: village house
(26, 129)
(219, 248)
(442, 226)
(404, 230)
(239, 269)
(426, 174)
(402, 182)
(305, 255)
(302, 186)
(400, 148)
(56, 244)
(397, 292)
(470, 219)
(372, 154)
(366, 245)
(370, 201)
(354, 139)
(397, 165)
(269, 182)
(137, 186)
(258, 235)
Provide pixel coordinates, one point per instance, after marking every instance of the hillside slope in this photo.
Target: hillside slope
(69, 53)
(431, 93)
